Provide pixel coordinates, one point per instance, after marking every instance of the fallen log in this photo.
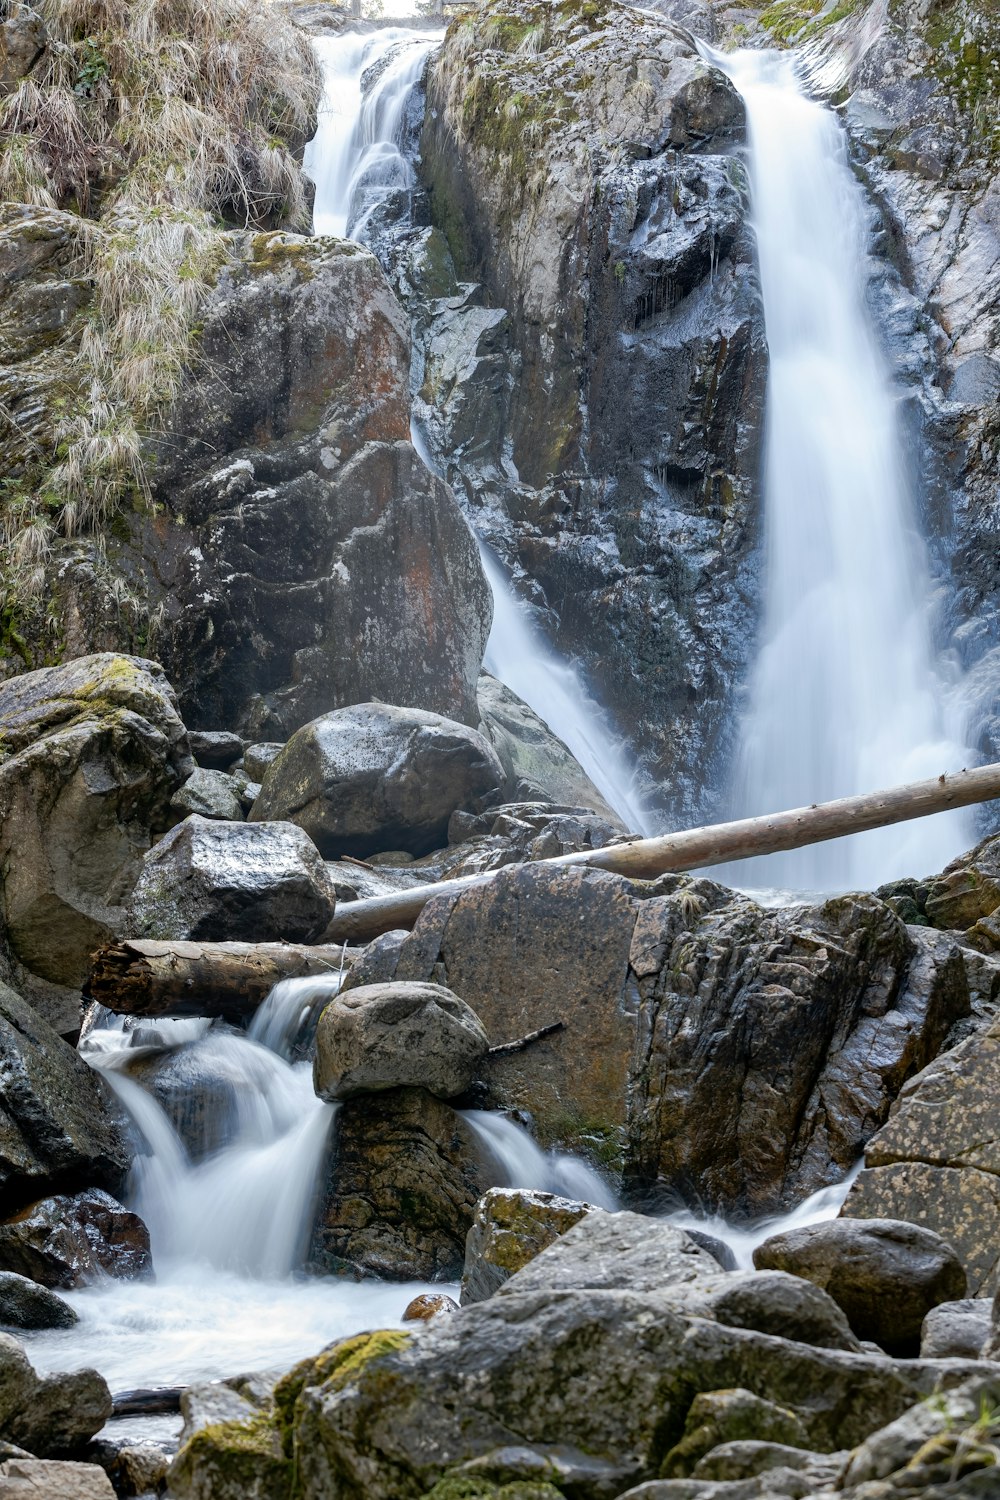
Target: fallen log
(700, 848)
(146, 978)
(157, 1401)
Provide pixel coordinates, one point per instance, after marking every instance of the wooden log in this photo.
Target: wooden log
(700, 848)
(145, 978)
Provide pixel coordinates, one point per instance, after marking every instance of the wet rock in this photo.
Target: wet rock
(59, 1126)
(401, 1035)
(936, 1162)
(236, 1457)
(39, 1479)
(956, 1330)
(727, 1417)
(511, 1226)
(211, 794)
(26, 1304)
(257, 758)
(429, 1305)
(67, 1242)
(375, 777)
(229, 881)
(536, 762)
(605, 1251)
(94, 750)
(967, 894)
(399, 1189)
(886, 1275)
(515, 832)
(216, 749)
(209, 1403)
(738, 1055)
(134, 1468)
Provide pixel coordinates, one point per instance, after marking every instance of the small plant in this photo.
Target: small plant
(93, 69)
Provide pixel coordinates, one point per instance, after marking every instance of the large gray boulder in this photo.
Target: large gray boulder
(68, 1242)
(93, 752)
(377, 777)
(885, 1275)
(210, 880)
(401, 1035)
(511, 1226)
(739, 1056)
(51, 1415)
(59, 1125)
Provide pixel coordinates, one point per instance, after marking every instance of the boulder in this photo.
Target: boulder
(216, 749)
(937, 1160)
(609, 1251)
(23, 40)
(211, 794)
(232, 881)
(67, 1242)
(26, 1304)
(510, 1227)
(966, 895)
(399, 1189)
(48, 1416)
(724, 1417)
(536, 762)
(428, 1305)
(956, 1330)
(734, 1056)
(59, 1125)
(886, 1275)
(257, 758)
(93, 752)
(517, 831)
(400, 1035)
(376, 777)
(935, 1429)
(47, 1479)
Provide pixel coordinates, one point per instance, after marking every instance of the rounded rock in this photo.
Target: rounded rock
(398, 1035)
(429, 1305)
(25, 1304)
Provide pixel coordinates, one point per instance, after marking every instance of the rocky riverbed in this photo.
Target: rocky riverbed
(583, 1187)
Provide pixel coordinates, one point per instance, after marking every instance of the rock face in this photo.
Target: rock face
(66, 1242)
(936, 1162)
(736, 1056)
(886, 1275)
(400, 1186)
(25, 1304)
(619, 358)
(211, 880)
(58, 1122)
(51, 1416)
(93, 752)
(967, 895)
(386, 1036)
(376, 777)
(511, 1226)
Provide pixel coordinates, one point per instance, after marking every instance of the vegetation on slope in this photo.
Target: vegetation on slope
(156, 124)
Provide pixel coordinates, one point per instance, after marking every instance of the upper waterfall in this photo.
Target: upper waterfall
(846, 695)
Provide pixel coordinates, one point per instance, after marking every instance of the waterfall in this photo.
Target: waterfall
(355, 158)
(525, 1165)
(846, 695)
(356, 161)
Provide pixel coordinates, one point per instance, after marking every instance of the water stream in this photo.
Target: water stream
(846, 695)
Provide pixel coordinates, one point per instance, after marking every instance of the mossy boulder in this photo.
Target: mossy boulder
(511, 1226)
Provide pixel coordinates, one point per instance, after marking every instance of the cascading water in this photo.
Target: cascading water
(846, 695)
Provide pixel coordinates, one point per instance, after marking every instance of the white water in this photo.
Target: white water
(845, 696)
(523, 1163)
(354, 158)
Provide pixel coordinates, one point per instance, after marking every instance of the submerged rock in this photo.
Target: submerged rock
(26, 1304)
(67, 1242)
(738, 1056)
(401, 1035)
(376, 777)
(93, 752)
(59, 1125)
(885, 1275)
(400, 1185)
(211, 880)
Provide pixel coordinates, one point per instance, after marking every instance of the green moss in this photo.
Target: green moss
(332, 1369)
(461, 1487)
(231, 1459)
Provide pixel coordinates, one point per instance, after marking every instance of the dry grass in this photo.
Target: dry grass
(160, 123)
